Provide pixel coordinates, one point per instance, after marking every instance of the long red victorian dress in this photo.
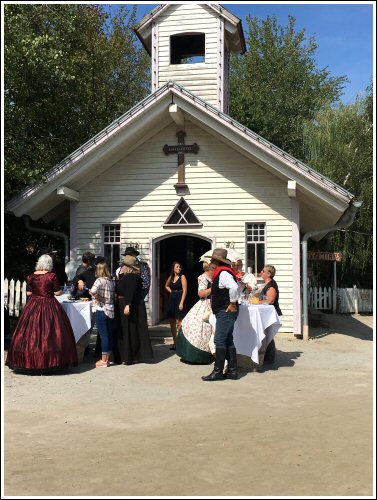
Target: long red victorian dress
(43, 338)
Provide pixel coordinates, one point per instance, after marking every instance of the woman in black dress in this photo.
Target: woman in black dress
(43, 339)
(176, 285)
(133, 342)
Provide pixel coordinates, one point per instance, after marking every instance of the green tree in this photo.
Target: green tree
(339, 144)
(69, 71)
(276, 86)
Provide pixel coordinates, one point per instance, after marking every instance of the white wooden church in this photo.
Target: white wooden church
(176, 175)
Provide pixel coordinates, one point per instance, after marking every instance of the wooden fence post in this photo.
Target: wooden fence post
(6, 293)
(23, 295)
(11, 297)
(355, 299)
(17, 299)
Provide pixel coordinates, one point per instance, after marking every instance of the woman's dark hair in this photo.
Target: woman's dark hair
(88, 257)
(172, 274)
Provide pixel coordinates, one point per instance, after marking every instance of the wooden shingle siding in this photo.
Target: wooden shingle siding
(226, 192)
(199, 78)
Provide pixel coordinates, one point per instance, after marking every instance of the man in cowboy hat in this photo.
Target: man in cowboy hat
(224, 302)
(131, 251)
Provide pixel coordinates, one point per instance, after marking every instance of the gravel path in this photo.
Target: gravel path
(302, 428)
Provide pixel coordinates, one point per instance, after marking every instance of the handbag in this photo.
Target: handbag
(207, 313)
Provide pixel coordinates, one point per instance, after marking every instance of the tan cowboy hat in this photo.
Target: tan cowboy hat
(232, 255)
(220, 254)
(131, 261)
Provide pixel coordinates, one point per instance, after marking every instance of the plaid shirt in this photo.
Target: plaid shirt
(103, 292)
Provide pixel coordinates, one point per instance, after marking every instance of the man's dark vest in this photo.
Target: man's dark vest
(220, 296)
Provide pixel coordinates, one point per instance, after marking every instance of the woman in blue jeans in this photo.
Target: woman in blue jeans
(103, 295)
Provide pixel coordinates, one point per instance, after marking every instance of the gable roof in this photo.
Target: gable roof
(316, 193)
(233, 26)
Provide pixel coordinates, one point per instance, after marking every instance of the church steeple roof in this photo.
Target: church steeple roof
(233, 25)
(191, 45)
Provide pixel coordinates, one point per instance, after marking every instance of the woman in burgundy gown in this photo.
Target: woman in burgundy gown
(43, 339)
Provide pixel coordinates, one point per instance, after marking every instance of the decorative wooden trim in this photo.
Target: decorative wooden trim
(181, 226)
(73, 230)
(220, 64)
(67, 193)
(155, 56)
(177, 209)
(296, 266)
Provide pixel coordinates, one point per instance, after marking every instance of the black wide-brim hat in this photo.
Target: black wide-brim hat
(130, 251)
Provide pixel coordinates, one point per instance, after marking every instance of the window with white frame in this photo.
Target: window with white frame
(256, 246)
(111, 245)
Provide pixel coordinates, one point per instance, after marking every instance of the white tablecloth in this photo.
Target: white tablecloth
(79, 315)
(254, 322)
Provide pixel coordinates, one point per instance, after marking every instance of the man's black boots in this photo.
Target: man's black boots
(217, 373)
(232, 372)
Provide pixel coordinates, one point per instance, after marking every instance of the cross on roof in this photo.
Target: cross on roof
(181, 148)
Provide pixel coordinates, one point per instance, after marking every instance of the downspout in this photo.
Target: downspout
(346, 220)
(26, 219)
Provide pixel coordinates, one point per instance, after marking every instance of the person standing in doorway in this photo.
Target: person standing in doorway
(224, 302)
(176, 285)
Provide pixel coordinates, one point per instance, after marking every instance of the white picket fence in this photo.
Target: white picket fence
(14, 296)
(344, 300)
(347, 300)
(321, 298)
(355, 300)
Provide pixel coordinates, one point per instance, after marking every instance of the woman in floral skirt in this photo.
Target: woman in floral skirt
(195, 334)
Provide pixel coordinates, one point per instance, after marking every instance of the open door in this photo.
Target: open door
(186, 249)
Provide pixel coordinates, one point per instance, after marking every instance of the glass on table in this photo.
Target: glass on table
(254, 296)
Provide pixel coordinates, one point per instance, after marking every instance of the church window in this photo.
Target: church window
(182, 215)
(187, 48)
(111, 245)
(255, 247)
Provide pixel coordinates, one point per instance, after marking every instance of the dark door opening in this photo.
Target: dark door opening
(186, 250)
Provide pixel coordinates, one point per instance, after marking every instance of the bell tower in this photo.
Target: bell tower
(191, 45)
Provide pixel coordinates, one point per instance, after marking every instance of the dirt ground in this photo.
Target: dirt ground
(304, 427)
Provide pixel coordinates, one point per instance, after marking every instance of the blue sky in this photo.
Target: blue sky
(343, 31)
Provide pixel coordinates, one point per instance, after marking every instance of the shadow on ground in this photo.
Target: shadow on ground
(343, 324)
(283, 359)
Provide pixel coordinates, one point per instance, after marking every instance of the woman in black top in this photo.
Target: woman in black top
(176, 285)
(271, 291)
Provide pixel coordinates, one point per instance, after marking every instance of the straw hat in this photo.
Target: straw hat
(131, 261)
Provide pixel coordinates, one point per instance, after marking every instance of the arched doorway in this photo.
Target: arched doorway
(187, 249)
